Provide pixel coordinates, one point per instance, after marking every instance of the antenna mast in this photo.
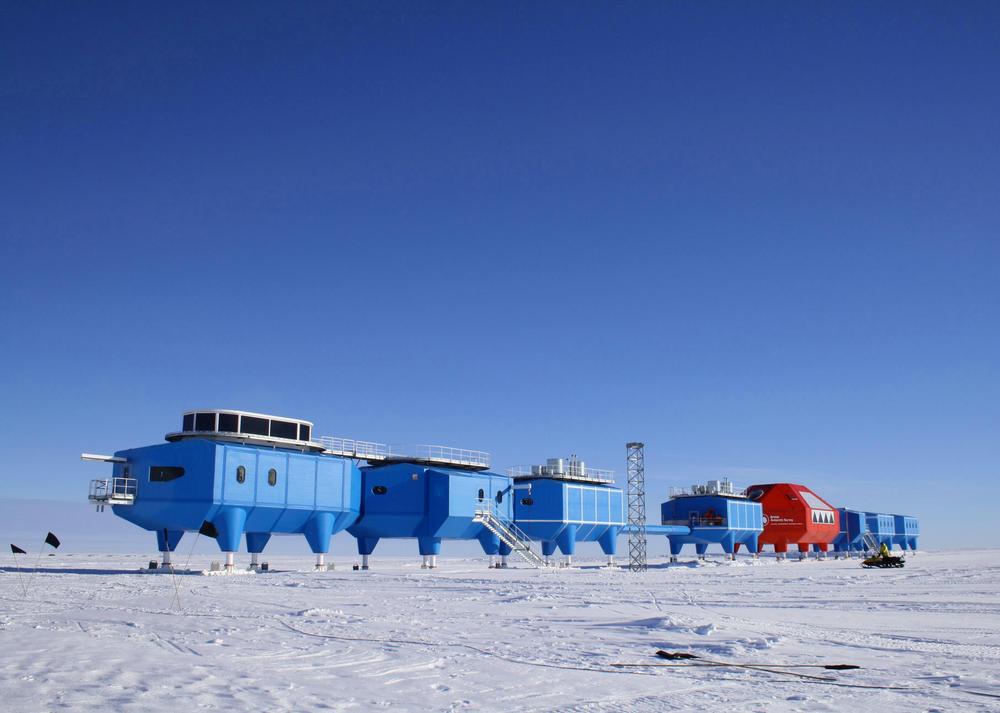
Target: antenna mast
(636, 507)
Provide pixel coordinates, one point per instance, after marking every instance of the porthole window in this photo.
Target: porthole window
(380, 490)
(499, 497)
(482, 494)
(241, 474)
(272, 477)
(527, 501)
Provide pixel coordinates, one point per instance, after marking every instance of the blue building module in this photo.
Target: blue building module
(430, 504)
(882, 527)
(564, 502)
(906, 531)
(713, 514)
(256, 484)
(853, 526)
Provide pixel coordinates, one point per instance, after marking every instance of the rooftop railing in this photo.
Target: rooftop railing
(570, 471)
(424, 453)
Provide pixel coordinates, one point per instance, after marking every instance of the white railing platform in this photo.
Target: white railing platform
(112, 491)
(383, 452)
(587, 475)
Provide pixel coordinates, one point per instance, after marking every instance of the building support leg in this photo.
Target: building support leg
(503, 561)
(254, 561)
(320, 561)
(364, 561)
(230, 557)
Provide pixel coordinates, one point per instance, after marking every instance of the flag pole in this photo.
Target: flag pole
(17, 566)
(50, 539)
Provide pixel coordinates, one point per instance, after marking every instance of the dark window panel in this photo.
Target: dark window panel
(163, 473)
(527, 501)
(241, 474)
(254, 426)
(272, 477)
(380, 490)
(228, 422)
(188, 422)
(204, 422)
(284, 429)
(304, 432)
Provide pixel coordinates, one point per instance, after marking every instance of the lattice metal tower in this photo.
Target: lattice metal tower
(636, 507)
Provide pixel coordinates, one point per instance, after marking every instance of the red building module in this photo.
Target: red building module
(795, 515)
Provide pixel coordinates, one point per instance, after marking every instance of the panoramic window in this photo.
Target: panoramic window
(380, 490)
(163, 473)
(272, 477)
(229, 422)
(188, 422)
(241, 474)
(254, 426)
(304, 432)
(204, 422)
(284, 429)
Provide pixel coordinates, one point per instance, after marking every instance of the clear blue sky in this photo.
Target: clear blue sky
(762, 237)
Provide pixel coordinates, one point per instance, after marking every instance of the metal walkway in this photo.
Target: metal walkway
(385, 453)
(509, 533)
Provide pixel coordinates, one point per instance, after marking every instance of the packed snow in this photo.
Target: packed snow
(95, 633)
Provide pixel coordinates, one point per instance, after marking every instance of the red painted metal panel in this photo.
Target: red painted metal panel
(795, 515)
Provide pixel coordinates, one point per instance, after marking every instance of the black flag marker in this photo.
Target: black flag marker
(51, 539)
(208, 530)
(15, 551)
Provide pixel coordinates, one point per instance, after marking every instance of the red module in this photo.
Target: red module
(795, 515)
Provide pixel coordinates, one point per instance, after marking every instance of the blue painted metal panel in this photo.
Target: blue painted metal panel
(562, 512)
(882, 526)
(214, 488)
(906, 531)
(853, 526)
(409, 500)
(730, 522)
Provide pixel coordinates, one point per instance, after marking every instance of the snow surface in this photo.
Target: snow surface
(95, 634)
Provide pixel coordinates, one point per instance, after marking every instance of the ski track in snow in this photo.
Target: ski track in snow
(96, 634)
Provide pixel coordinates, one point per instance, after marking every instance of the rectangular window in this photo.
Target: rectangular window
(228, 423)
(204, 422)
(188, 422)
(284, 429)
(303, 432)
(163, 473)
(254, 426)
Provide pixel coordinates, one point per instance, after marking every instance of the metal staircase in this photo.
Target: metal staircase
(509, 533)
(870, 542)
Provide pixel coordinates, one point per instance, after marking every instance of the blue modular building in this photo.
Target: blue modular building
(713, 513)
(853, 526)
(906, 531)
(882, 527)
(565, 502)
(413, 499)
(239, 472)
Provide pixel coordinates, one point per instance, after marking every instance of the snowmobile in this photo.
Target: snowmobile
(883, 559)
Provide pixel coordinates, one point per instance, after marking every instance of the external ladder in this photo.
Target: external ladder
(509, 533)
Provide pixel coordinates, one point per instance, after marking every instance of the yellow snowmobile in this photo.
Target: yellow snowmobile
(883, 559)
